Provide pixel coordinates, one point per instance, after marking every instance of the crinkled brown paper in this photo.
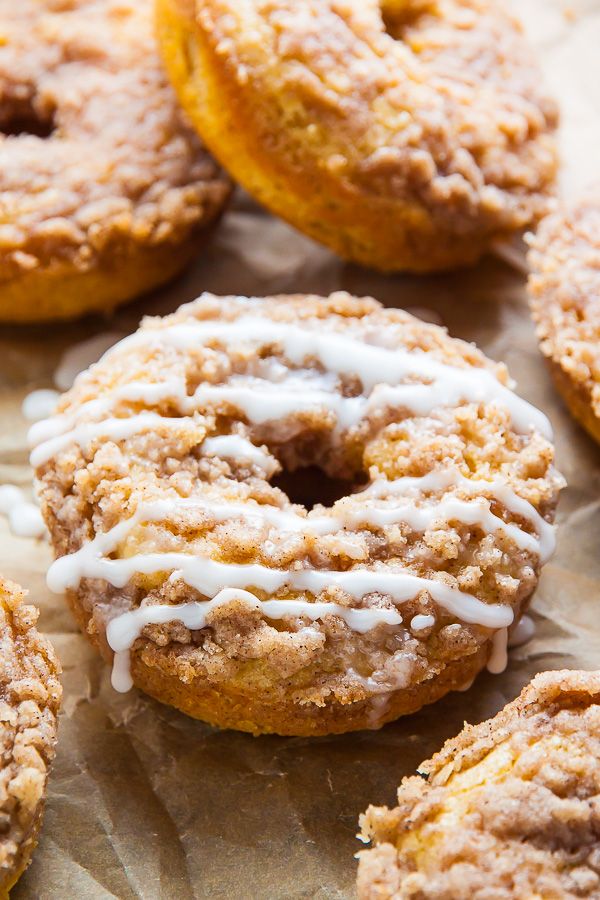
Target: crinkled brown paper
(146, 803)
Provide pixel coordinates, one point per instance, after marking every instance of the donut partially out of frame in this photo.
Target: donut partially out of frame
(105, 193)
(403, 135)
(30, 695)
(564, 290)
(509, 809)
(296, 514)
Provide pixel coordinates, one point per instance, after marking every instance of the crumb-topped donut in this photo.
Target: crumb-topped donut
(163, 479)
(30, 695)
(104, 192)
(509, 809)
(564, 290)
(403, 135)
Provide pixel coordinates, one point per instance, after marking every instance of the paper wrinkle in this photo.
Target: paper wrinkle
(146, 803)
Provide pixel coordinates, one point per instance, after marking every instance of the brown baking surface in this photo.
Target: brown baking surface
(145, 803)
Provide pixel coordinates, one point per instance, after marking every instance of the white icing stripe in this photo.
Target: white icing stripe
(260, 402)
(113, 429)
(419, 518)
(24, 518)
(50, 436)
(236, 447)
(381, 370)
(420, 622)
(498, 659)
(442, 479)
(265, 402)
(374, 365)
(209, 577)
(123, 630)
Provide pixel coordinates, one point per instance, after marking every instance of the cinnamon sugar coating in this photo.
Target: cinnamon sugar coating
(509, 809)
(402, 135)
(564, 289)
(99, 175)
(290, 675)
(30, 695)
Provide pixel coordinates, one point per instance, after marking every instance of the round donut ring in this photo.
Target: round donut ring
(564, 291)
(29, 699)
(507, 809)
(408, 140)
(168, 478)
(104, 192)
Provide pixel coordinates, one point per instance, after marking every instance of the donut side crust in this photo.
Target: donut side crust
(60, 292)
(507, 808)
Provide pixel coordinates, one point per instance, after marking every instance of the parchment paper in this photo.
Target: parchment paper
(145, 802)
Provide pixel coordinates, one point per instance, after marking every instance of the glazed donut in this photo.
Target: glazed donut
(104, 192)
(29, 700)
(403, 135)
(169, 477)
(564, 291)
(507, 810)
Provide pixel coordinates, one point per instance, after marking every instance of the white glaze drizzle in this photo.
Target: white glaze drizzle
(420, 622)
(498, 658)
(346, 515)
(123, 630)
(39, 404)
(24, 518)
(499, 489)
(380, 704)
(236, 447)
(10, 496)
(344, 355)
(113, 429)
(209, 577)
(380, 369)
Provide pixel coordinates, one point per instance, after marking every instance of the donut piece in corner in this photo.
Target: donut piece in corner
(508, 809)
(30, 696)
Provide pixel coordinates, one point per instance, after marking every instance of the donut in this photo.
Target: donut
(507, 810)
(564, 292)
(298, 514)
(403, 135)
(104, 192)
(30, 696)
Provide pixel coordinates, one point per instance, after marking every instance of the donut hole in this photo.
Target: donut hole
(310, 486)
(24, 120)
(398, 15)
